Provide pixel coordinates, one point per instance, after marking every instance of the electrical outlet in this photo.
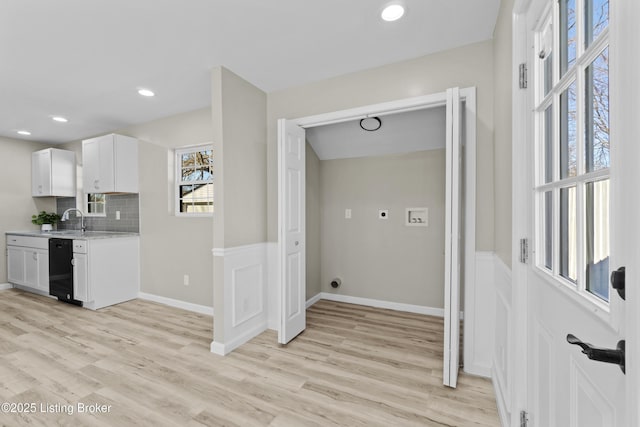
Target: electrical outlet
(117, 215)
(186, 280)
(347, 213)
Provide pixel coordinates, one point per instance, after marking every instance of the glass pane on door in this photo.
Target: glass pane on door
(568, 234)
(567, 35)
(568, 133)
(597, 238)
(548, 144)
(548, 229)
(596, 18)
(597, 113)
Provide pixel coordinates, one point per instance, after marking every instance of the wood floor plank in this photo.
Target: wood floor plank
(352, 366)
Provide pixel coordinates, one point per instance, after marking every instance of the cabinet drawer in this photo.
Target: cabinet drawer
(28, 241)
(80, 246)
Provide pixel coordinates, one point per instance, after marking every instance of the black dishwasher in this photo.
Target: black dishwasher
(61, 270)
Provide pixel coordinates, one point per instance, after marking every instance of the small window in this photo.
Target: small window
(194, 181)
(96, 205)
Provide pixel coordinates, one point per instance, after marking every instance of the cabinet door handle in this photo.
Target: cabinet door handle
(35, 256)
(73, 261)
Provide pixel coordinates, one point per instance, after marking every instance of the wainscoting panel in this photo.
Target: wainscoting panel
(247, 293)
(245, 288)
(479, 308)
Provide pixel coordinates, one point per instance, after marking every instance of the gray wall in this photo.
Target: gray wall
(384, 259)
(466, 66)
(170, 246)
(16, 203)
(313, 214)
(502, 78)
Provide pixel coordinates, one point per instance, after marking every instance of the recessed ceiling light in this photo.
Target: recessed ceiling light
(146, 92)
(24, 132)
(59, 119)
(393, 12)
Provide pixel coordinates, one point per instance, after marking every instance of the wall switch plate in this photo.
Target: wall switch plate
(118, 215)
(383, 213)
(347, 213)
(186, 280)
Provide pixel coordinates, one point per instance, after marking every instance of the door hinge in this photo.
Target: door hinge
(524, 418)
(523, 75)
(524, 250)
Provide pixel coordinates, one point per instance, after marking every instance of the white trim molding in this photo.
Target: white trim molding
(409, 308)
(222, 349)
(196, 308)
(314, 299)
(5, 286)
(237, 250)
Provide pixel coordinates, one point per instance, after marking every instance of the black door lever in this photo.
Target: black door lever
(606, 355)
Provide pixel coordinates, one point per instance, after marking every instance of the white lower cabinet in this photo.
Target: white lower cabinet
(36, 268)
(28, 262)
(106, 271)
(15, 265)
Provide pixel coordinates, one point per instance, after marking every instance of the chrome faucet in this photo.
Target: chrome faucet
(65, 217)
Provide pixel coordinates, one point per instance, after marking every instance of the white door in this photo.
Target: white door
(581, 198)
(452, 239)
(291, 229)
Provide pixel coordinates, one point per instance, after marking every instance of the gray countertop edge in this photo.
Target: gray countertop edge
(88, 235)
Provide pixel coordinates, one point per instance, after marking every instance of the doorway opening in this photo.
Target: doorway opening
(360, 173)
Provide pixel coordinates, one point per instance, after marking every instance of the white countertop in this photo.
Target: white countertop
(73, 234)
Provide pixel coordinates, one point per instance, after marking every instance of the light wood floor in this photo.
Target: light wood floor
(353, 366)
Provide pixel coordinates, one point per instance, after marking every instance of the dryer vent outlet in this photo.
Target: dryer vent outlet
(336, 283)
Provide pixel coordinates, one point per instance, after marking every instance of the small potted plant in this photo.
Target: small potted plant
(46, 220)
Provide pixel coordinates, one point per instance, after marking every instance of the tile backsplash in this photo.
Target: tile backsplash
(127, 204)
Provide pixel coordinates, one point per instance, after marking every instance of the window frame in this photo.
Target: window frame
(585, 56)
(85, 207)
(178, 152)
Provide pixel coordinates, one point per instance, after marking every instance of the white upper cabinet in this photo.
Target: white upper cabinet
(53, 173)
(110, 164)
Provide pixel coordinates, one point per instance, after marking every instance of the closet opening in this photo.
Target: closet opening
(376, 208)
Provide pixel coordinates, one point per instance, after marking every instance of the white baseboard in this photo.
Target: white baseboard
(202, 309)
(500, 402)
(5, 286)
(224, 349)
(410, 308)
(314, 299)
(477, 370)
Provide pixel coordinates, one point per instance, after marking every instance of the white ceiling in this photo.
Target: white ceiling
(400, 133)
(85, 59)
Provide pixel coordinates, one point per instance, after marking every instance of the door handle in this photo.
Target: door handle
(617, 281)
(606, 355)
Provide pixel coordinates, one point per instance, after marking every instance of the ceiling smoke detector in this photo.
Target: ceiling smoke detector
(371, 124)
